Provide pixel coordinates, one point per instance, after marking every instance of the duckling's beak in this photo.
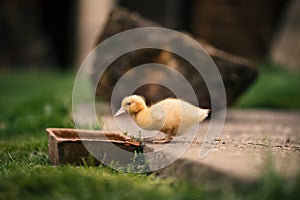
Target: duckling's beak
(120, 112)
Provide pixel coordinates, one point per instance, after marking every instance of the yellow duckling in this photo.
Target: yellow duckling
(170, 116)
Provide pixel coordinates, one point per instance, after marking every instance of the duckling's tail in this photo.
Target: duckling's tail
(203, 113)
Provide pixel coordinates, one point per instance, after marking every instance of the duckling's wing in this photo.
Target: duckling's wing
(157, 113)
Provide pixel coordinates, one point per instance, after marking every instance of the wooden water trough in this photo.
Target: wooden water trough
(73, 146)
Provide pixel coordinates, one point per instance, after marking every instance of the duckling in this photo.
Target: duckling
(169, 116)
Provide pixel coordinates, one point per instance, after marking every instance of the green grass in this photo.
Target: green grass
(275, 88)
(31, 102)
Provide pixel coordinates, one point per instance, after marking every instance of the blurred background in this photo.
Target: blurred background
(59, 34)
(43, 35)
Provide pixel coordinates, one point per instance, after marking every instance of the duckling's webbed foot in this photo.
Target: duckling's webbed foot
(161, 141)
(164, 140)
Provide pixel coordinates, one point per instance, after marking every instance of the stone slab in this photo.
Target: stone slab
(250, 140)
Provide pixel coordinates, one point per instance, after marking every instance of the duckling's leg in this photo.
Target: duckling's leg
(167, 139)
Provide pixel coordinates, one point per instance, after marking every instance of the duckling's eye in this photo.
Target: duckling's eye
(128, 104)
